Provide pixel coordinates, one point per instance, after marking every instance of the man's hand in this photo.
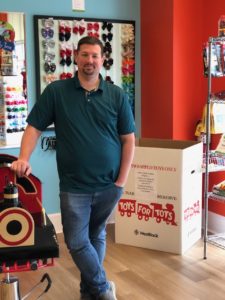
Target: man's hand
(21, 167)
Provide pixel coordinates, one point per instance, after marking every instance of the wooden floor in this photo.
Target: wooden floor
(139, 274)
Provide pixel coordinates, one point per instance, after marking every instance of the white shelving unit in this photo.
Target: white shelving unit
(212, 161)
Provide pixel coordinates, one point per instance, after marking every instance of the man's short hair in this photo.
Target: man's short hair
(90, 40)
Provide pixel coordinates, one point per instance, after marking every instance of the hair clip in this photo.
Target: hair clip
(93, 26)
(50, 78)
(128, 61)
(107, 25)
(49, 67)
(49, 56)
(65, 75)
(48, 44)
(107, 48)
(108, 78)
(95, 34)
(128, 70)
(67, 32)
(10, 116)
(48, 22)
(106, 37)
(108, 63)
(68, 61)
(75, 27)
(127, 79)
(9, 102)
(82, 27)
(47, 33)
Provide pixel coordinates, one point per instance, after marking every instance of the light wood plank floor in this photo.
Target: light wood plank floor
(139, 274)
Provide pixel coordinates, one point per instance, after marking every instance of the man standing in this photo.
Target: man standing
(94, 129)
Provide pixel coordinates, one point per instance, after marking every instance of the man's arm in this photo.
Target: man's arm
(128, 146)
(29, 140)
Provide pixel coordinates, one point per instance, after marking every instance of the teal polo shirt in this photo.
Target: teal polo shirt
(87, 128)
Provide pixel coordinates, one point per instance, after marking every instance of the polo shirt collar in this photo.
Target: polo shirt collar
(78, 85)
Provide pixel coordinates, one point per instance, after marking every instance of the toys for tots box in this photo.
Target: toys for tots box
(160, 208)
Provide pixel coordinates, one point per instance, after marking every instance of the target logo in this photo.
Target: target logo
(16, 228)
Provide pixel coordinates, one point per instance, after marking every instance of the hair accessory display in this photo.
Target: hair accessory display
(57, 55)
(128, 61)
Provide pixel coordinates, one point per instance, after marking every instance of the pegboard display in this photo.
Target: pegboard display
(56, 41)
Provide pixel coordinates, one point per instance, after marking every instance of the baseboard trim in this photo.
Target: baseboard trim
(216, 223)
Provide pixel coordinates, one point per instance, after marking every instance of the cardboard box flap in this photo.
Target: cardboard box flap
(165, 143)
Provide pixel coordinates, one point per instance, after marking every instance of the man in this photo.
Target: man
(94, 129)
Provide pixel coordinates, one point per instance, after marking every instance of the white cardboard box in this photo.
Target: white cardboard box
(161, 207)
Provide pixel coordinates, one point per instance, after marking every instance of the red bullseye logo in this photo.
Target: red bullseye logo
(16, 228)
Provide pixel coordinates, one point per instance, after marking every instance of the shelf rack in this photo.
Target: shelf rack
(207, 158)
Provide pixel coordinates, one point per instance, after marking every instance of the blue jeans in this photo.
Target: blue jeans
(84, 218)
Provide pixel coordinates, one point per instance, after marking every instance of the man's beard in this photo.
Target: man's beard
(89, 69)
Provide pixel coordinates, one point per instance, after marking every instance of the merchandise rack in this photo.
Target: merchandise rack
(218, 161)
